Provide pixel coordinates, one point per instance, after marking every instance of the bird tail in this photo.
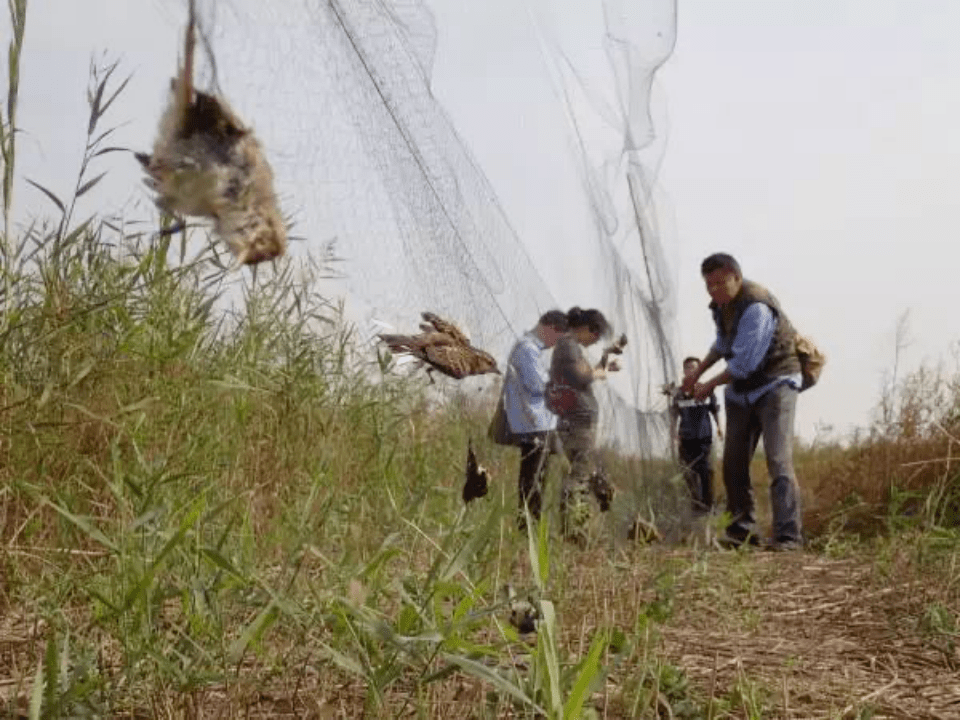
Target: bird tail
(182, 85)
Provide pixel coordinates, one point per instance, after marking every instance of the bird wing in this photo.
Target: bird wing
(471, 459)
(446, 326)
(415, 343)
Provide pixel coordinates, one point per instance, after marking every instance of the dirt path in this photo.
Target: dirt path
(799, 635)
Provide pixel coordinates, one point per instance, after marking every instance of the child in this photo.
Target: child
(695, 438)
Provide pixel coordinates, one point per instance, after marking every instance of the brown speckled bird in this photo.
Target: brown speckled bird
(207, 163)
(444, 347)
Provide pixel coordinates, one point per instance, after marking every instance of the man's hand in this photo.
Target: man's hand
(702, 391)
(688, 384)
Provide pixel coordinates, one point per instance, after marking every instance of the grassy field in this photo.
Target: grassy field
(251, 514)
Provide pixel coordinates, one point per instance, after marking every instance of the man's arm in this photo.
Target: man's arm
(701, 390)
(750, 345)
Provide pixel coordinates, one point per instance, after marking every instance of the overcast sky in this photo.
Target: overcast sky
(815, 140)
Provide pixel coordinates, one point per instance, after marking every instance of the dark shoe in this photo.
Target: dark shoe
(734, 542)
(784, 545)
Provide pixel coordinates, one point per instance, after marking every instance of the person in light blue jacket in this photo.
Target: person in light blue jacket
(531, 424)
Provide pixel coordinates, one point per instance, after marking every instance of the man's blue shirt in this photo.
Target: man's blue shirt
(749, 347)
(524, 386)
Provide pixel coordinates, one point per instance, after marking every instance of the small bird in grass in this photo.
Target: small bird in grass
(602, 489)
(643, 531)
(207, 163)
(524, 611)
(444, 347)
(477, 481)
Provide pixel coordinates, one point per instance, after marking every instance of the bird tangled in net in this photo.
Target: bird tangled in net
(206, 163)
(615, 348)
(444, 347)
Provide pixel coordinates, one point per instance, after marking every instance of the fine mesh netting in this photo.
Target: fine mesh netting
(339, 91)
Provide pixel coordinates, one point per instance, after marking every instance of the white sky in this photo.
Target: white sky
(817, 141)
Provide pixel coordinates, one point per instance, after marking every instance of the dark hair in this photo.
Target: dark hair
(691, 359)
(591, 319)
(557, 319)
(719, 261)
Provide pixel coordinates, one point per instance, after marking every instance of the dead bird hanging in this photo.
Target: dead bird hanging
(477, 477)
(207, 163)
(444, 347)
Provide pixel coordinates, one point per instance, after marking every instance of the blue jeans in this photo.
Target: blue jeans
(771, 416)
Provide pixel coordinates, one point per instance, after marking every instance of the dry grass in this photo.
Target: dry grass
(249, 514)
(821, 638)
(903, 467)
(732, 634)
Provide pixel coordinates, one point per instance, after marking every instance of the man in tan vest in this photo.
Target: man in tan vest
(762, 379)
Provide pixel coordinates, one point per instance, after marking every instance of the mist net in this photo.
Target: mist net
(340, 92)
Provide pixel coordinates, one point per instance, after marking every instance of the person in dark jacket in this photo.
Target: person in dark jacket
(762, 379)
(577, 424)
(692, 424)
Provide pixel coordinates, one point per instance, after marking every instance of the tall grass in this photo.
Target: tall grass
(8, 121)
(902, 470)
(212, 492)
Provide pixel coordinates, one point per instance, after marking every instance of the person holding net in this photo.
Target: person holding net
(531, 424)
(570, 396)
(763, 376)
